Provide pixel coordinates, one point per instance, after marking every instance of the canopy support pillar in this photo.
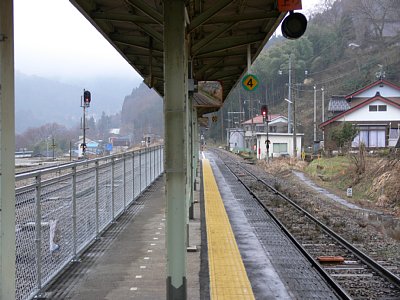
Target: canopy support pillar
(7, 155)
(176, 156)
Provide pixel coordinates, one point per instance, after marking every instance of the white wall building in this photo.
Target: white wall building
(276, 123)
(281, 144)
(375, 111)
(235, 139)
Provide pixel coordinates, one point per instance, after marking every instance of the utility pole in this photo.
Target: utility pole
(290, 93)
(222, 125)
(294, 129)
(294, 118)
(53, 146)
(315, 117)
(47, 147)
(252, 129)
(241, 107)
(323, 111)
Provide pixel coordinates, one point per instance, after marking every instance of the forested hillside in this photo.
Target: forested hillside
(348, 44)
(142, 113)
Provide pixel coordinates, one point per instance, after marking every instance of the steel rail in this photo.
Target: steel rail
(332, 283)
(385, 273)
(61, 167)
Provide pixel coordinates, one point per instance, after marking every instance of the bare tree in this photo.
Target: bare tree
(372, 17)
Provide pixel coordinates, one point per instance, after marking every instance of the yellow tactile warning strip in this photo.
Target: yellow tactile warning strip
(228, 277)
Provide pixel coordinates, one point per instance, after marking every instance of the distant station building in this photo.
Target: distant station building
(257, 133)
(235, 138)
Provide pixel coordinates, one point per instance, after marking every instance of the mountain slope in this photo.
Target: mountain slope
(41, 100)
(142, 113)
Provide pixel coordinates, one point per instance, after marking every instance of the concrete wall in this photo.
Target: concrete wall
(278, 138)
(384, 90)
(363, 114)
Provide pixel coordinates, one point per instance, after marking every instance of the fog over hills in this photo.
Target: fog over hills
(41, 100)
(142, 113)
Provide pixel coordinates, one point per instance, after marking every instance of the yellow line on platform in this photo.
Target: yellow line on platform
(228, 277)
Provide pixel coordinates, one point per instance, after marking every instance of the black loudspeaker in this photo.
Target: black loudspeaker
(294, 26)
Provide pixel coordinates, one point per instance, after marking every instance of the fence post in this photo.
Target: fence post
(145, 167)
(112, 189)
(140, 171)
(133, 175)
(150, 172)
(74, 239)
(154, 163)
(38, 238)
(97, 220)
(123, 181)
(151, 166)
(162, 160)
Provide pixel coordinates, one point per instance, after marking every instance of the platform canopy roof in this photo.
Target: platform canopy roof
(220, 32)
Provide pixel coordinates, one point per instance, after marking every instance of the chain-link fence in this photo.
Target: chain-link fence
(60, 211)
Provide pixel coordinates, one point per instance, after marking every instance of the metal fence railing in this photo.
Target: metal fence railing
(60, 211)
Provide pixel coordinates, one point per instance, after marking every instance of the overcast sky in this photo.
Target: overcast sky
(52, 39)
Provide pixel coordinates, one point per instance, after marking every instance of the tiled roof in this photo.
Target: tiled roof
(201, 100)
(259, 119)
(338, 103)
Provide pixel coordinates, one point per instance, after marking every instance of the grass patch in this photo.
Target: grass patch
(329, 168)
(337, 174)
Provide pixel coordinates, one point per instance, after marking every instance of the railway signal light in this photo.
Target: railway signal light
(264, 111)
(86, 98)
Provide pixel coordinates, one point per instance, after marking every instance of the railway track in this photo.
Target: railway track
(350, 272)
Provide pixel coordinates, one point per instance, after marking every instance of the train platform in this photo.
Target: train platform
(241, 254)
(128, 261)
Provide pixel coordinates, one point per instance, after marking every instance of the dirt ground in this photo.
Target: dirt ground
(377, 188)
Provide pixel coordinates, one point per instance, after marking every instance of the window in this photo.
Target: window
(382, 108)
(280, 147)
(377, 108)
(371, 137)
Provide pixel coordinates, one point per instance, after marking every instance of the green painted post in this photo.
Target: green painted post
(7, 157)
(175, 146)
(190, 151)
(195, 149)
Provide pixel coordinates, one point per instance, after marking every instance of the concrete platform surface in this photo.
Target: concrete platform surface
(129, 260)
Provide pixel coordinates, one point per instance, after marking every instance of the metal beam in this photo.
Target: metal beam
(232, 42)
(129, 52)
(115, 17)
(209, 13)
(221, 64)
(151, 32)
(224, 54)
(206, 67)
(210, 37)
(223, 75)
(135, 41)
(7, 157)
(242, 17)
(147, 9)
(175, 161)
